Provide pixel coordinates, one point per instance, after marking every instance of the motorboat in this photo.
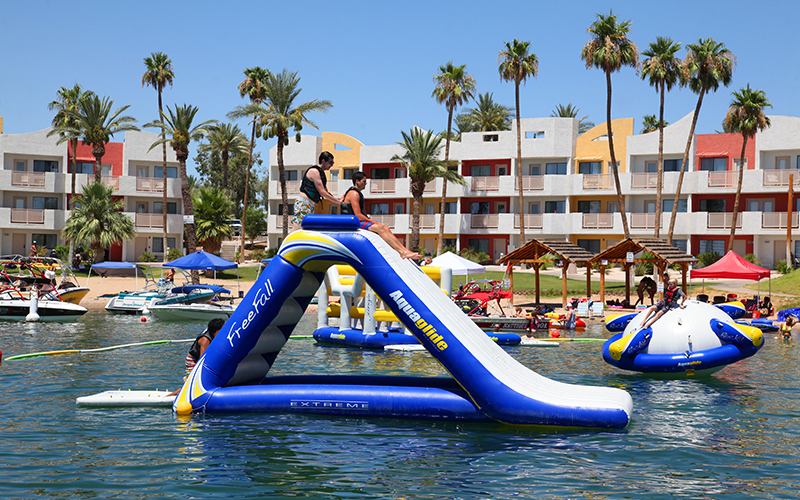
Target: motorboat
(48, 310)
(138, 302)
(202, 312)
(54, 279)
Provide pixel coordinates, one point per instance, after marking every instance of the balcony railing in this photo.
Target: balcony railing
(780, 178)
(485, 184)
(777, 220)
(598, 181)
(150, 184)
(598, 221)
(292, 187)
(532, 221)
(383, 186)
(27, 216)
(28, 179)
(386, 220)
(430, 187)
(723, 179)
(111, 181)
(428, 221)
(150, 220)
(644, 180)
(722, 220)
(488, 221)
(530, 183)
(643, 221)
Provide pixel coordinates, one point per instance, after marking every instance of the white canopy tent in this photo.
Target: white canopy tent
(459, 265)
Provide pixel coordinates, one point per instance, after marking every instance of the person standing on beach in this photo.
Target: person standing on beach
(313, 188)
(353, 204)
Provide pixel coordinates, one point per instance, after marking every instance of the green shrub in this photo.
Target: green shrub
(751, 258)
(474, 255)
(782, 267)
(271, 252)
(708, 258)
(258, 255)
(62, 252)
(174, 253)
(147, 257)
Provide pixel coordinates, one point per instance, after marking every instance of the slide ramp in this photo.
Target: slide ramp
(498, 387)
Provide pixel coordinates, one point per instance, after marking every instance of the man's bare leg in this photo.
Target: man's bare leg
(393, 242)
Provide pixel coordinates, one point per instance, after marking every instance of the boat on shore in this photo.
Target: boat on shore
(52, 276)
(195, 311)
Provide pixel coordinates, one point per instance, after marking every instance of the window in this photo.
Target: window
(84, 167)
(291, 209)
(717, 246)
(105, 170)
(450, 207)
(379, 209)
(490, 138)
(680, 245)
(400, 208)
(20, 165)
(45, 240)
(141, 207)
(334, 175)
(480, 170)
(400, 173)
(667, 206)
(429, 208)
(45, 203)
(479, 244)
(45, 166)
(611, 208)
(736, 163)
(449, 242)
(533, 208)
(158, 172)
(141, 171)
(501, 170)
(762, 205)
(713, 164)
(158, 244)
(555, 169)
(158, 207)
(590, 167)
(539, 134)
(672, 165)
(536, 169)
(782, 162)
(379, 173)
(479, 207)
(712, 205)
(347, 173)
(291, 175)
(591, 246)
(500, 207)
(589, 206)
(651, 166)
(555, 207)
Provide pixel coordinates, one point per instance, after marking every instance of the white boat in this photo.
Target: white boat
(137, 302)
(192, 312)
(48, 310)
(54, 279)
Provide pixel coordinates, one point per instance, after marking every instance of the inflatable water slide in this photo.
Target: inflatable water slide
(486, 383)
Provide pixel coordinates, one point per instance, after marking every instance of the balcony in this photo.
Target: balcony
(598, 221)
(487, 221)
(598, 181)
(530, 183)
(724, 179)
(149, 221)
(384, 186)
(386, 220)
(427, 221)
(532, 221)
(780, 178)
(643, 221)
(644, 180)
(777, 220)
(27, 216)
(149, 184)
(111, 181)
(722, 220)
(485, 184)
(28, 179)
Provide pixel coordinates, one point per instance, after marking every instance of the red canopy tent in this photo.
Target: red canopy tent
(733, 267)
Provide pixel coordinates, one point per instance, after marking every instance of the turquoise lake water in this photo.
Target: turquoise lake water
(733, 435)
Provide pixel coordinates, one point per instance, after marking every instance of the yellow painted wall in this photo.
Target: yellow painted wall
(342, 158)
(589, 149)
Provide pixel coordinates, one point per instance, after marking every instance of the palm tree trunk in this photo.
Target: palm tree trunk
(164, 190)
(282, 181)
(620, 199)
(98, 168)
(246, 184)
(738, 193)
(188, 209)
(519, 169)
(444, 180)
(660, 166)
(74, 144)
(414, 247)
(683, 167)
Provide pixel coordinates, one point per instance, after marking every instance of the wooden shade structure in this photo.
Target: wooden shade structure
(534, 252)
(664, 255)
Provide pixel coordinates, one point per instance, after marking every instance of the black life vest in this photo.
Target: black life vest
(347, 208)
(308, 188)
(194, 351)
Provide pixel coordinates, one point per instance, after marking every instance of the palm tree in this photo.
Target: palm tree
(254, 87)
(68, 99)
(226, 139)
(453, 88)
(98, 219)
(707, 65)
(570, 111)
(180, 132)
(745, 116)
(488, 116)
(93, 122)
(516, 65)
(663, 69)
(610, 49)
(212, 208)
(281, 116)
(158, 74)
(649, 124)
(421, 160)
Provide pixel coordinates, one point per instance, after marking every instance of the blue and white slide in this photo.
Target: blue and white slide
(486, 385)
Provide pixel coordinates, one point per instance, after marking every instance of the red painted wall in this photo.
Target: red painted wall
(724, 145)
(113, 156)
(494, 163)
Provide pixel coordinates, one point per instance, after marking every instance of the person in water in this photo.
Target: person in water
(313, 188)
(786, 328)
(670, 301)
(199, 347)
(353, 204)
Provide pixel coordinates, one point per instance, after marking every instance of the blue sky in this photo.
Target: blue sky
(376, 60)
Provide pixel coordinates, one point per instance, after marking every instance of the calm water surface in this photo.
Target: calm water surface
(733, 435)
